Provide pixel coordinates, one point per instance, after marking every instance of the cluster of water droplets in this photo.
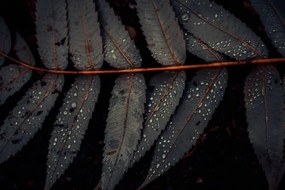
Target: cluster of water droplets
(121, 54)
(219, 29)
(161, 104)
(262, 81)
(71, 124)
(202, 97)
(201, 49)
(27, 117)
(5, 39)
(253, 89)
(119, 48)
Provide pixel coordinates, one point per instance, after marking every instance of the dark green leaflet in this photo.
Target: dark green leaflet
(265, 117)
(219, 29)
(70, 126)
(161, 104)
(272, 15)
(123, 129)
(202, 96)
(85, 42)
(13, 77)
(52, 33)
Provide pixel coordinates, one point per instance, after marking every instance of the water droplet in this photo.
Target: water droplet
(185, 17)
(73, 105)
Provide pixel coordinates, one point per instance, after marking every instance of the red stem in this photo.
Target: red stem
(138, 70)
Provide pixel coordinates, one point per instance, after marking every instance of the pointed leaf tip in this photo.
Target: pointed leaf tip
(161, 104)
(265, 117)
(220, 29)
(70, 126)
(202, 96)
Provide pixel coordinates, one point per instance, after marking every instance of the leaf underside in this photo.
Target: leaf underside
(272, 15)
(220, 29)
(265, 117)
(5, 39)
(70, 126)
(120, 51)
(85, 42)
(161, 104)
(51, 28)
(123, 129)
(27, 117)
(202, 96)
(162, 32)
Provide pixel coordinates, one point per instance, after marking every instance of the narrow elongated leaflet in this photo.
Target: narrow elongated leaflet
(13, 77)
(52, 33)
(265, 117)
(123, 129)
(70, 126)
(85, 42)
(120, 50)
(161, 104)
(272, 15)
(162, 32)
(27, 117)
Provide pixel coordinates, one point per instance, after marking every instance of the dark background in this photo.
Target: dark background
(222, 159)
